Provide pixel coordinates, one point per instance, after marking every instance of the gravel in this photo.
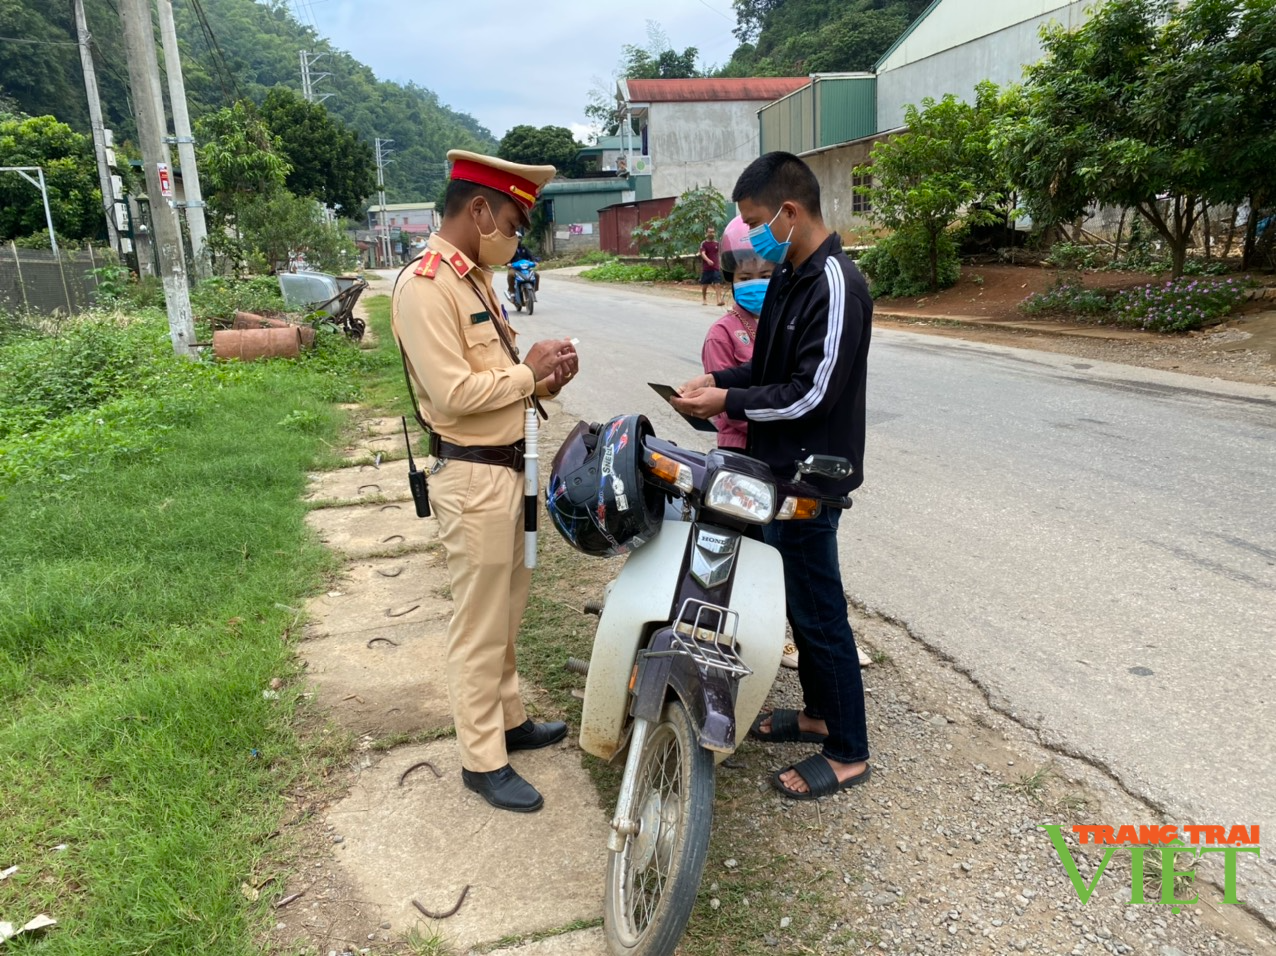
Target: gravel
(942, 852)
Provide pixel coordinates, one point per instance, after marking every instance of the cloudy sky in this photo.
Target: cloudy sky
(510, 62)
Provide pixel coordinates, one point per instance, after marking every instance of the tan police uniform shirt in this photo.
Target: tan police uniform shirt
(445, 319)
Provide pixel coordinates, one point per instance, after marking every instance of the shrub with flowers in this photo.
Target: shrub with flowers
(1178, 305)
(1067, 295)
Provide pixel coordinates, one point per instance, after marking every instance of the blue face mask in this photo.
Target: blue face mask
(766, 245)
(750, 294)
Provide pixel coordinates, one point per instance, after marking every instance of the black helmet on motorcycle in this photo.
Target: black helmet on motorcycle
(597, 496)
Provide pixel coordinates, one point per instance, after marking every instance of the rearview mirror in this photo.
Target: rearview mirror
(826, 466)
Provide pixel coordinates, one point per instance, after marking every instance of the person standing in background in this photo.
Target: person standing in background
(710, 267)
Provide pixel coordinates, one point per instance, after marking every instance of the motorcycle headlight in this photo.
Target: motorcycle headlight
(741, 496)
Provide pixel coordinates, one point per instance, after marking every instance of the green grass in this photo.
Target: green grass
(619, 272)
(144, 606)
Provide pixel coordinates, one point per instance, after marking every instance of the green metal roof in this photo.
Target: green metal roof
(604, 143)
(906, 34)
(610, 185)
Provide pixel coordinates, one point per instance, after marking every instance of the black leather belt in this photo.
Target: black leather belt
(507, 456)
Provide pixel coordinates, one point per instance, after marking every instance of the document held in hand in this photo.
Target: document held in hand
(667, 392)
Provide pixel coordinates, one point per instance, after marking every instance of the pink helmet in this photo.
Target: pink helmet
(736, 250)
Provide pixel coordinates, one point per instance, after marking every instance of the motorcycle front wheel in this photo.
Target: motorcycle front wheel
(530, 296)
(652, 883)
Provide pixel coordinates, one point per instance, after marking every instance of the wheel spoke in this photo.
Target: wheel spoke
(649, 866)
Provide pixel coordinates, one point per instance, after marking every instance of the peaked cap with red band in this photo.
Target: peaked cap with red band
(521, 183)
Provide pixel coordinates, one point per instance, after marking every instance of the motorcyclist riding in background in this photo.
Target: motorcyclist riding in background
(522, 252)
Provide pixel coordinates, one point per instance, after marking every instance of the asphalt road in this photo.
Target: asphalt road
(1094, 543)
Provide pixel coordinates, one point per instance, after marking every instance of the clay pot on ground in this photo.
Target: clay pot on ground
(249, 345)
(250, 320)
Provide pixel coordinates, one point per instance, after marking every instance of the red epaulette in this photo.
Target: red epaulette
(459, 264)
(429, 265)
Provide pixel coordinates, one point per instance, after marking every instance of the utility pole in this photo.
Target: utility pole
(309, 79)
(143, 69)
(95, 121)
(194, 204)
(383, 156)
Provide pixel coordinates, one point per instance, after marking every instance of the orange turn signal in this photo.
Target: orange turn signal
(793, 509)
(670, 471)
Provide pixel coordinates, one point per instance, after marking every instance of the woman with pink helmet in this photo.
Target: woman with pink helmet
(729, 341)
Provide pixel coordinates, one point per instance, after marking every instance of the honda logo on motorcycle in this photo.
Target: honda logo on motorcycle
(712, 558)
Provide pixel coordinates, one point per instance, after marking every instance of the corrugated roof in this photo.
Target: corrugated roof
(714, 89)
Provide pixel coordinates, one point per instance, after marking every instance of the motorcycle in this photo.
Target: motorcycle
(524, 285)
(689, 640)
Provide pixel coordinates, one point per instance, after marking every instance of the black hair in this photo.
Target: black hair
(461, 191)
(777, 178)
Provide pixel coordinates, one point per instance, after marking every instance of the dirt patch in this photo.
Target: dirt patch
(995, 291)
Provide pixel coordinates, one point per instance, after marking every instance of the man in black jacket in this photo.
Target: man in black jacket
(803, 394)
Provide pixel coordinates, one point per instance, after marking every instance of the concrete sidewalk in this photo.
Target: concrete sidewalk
(404, 834)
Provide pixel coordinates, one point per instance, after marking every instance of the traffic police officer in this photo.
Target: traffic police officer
(473, 390)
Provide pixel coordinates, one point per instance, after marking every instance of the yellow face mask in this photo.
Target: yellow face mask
(495, 248)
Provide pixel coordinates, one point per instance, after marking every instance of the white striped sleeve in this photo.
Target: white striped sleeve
(832, 342)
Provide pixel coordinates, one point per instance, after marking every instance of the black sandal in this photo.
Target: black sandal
(819, 776)
(784, 729)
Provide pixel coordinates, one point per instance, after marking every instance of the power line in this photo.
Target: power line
(39, 42)
(215, 51)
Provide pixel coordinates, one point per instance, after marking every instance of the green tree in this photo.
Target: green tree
(251, 49)
(70, 173)
(1222, 79)
(280, 227)
(552, 145)
(681, 232)
(239, 164)
(794, 37)
(329, 162)
(1151, 107)
(939, 176)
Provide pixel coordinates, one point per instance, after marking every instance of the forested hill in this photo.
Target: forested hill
(795, 37)
(230, 48)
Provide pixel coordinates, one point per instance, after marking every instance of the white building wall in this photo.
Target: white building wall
(695, 144)
(964, 42)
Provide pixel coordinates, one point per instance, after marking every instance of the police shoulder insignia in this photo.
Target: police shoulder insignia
(429, 265)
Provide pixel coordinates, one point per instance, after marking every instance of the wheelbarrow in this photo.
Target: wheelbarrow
(331, 297)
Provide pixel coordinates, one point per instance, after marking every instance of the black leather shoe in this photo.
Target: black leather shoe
(504, 789)
(530, 736)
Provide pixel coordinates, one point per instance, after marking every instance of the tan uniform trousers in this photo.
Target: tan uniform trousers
(480, 512)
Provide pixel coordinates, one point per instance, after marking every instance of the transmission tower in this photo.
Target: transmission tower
(310, 78)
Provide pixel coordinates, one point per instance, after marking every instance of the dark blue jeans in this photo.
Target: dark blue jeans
(828, 662)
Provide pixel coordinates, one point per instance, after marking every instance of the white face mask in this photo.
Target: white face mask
(495, 248)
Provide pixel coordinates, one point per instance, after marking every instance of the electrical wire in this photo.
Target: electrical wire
(215, 51)
(39, 42)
